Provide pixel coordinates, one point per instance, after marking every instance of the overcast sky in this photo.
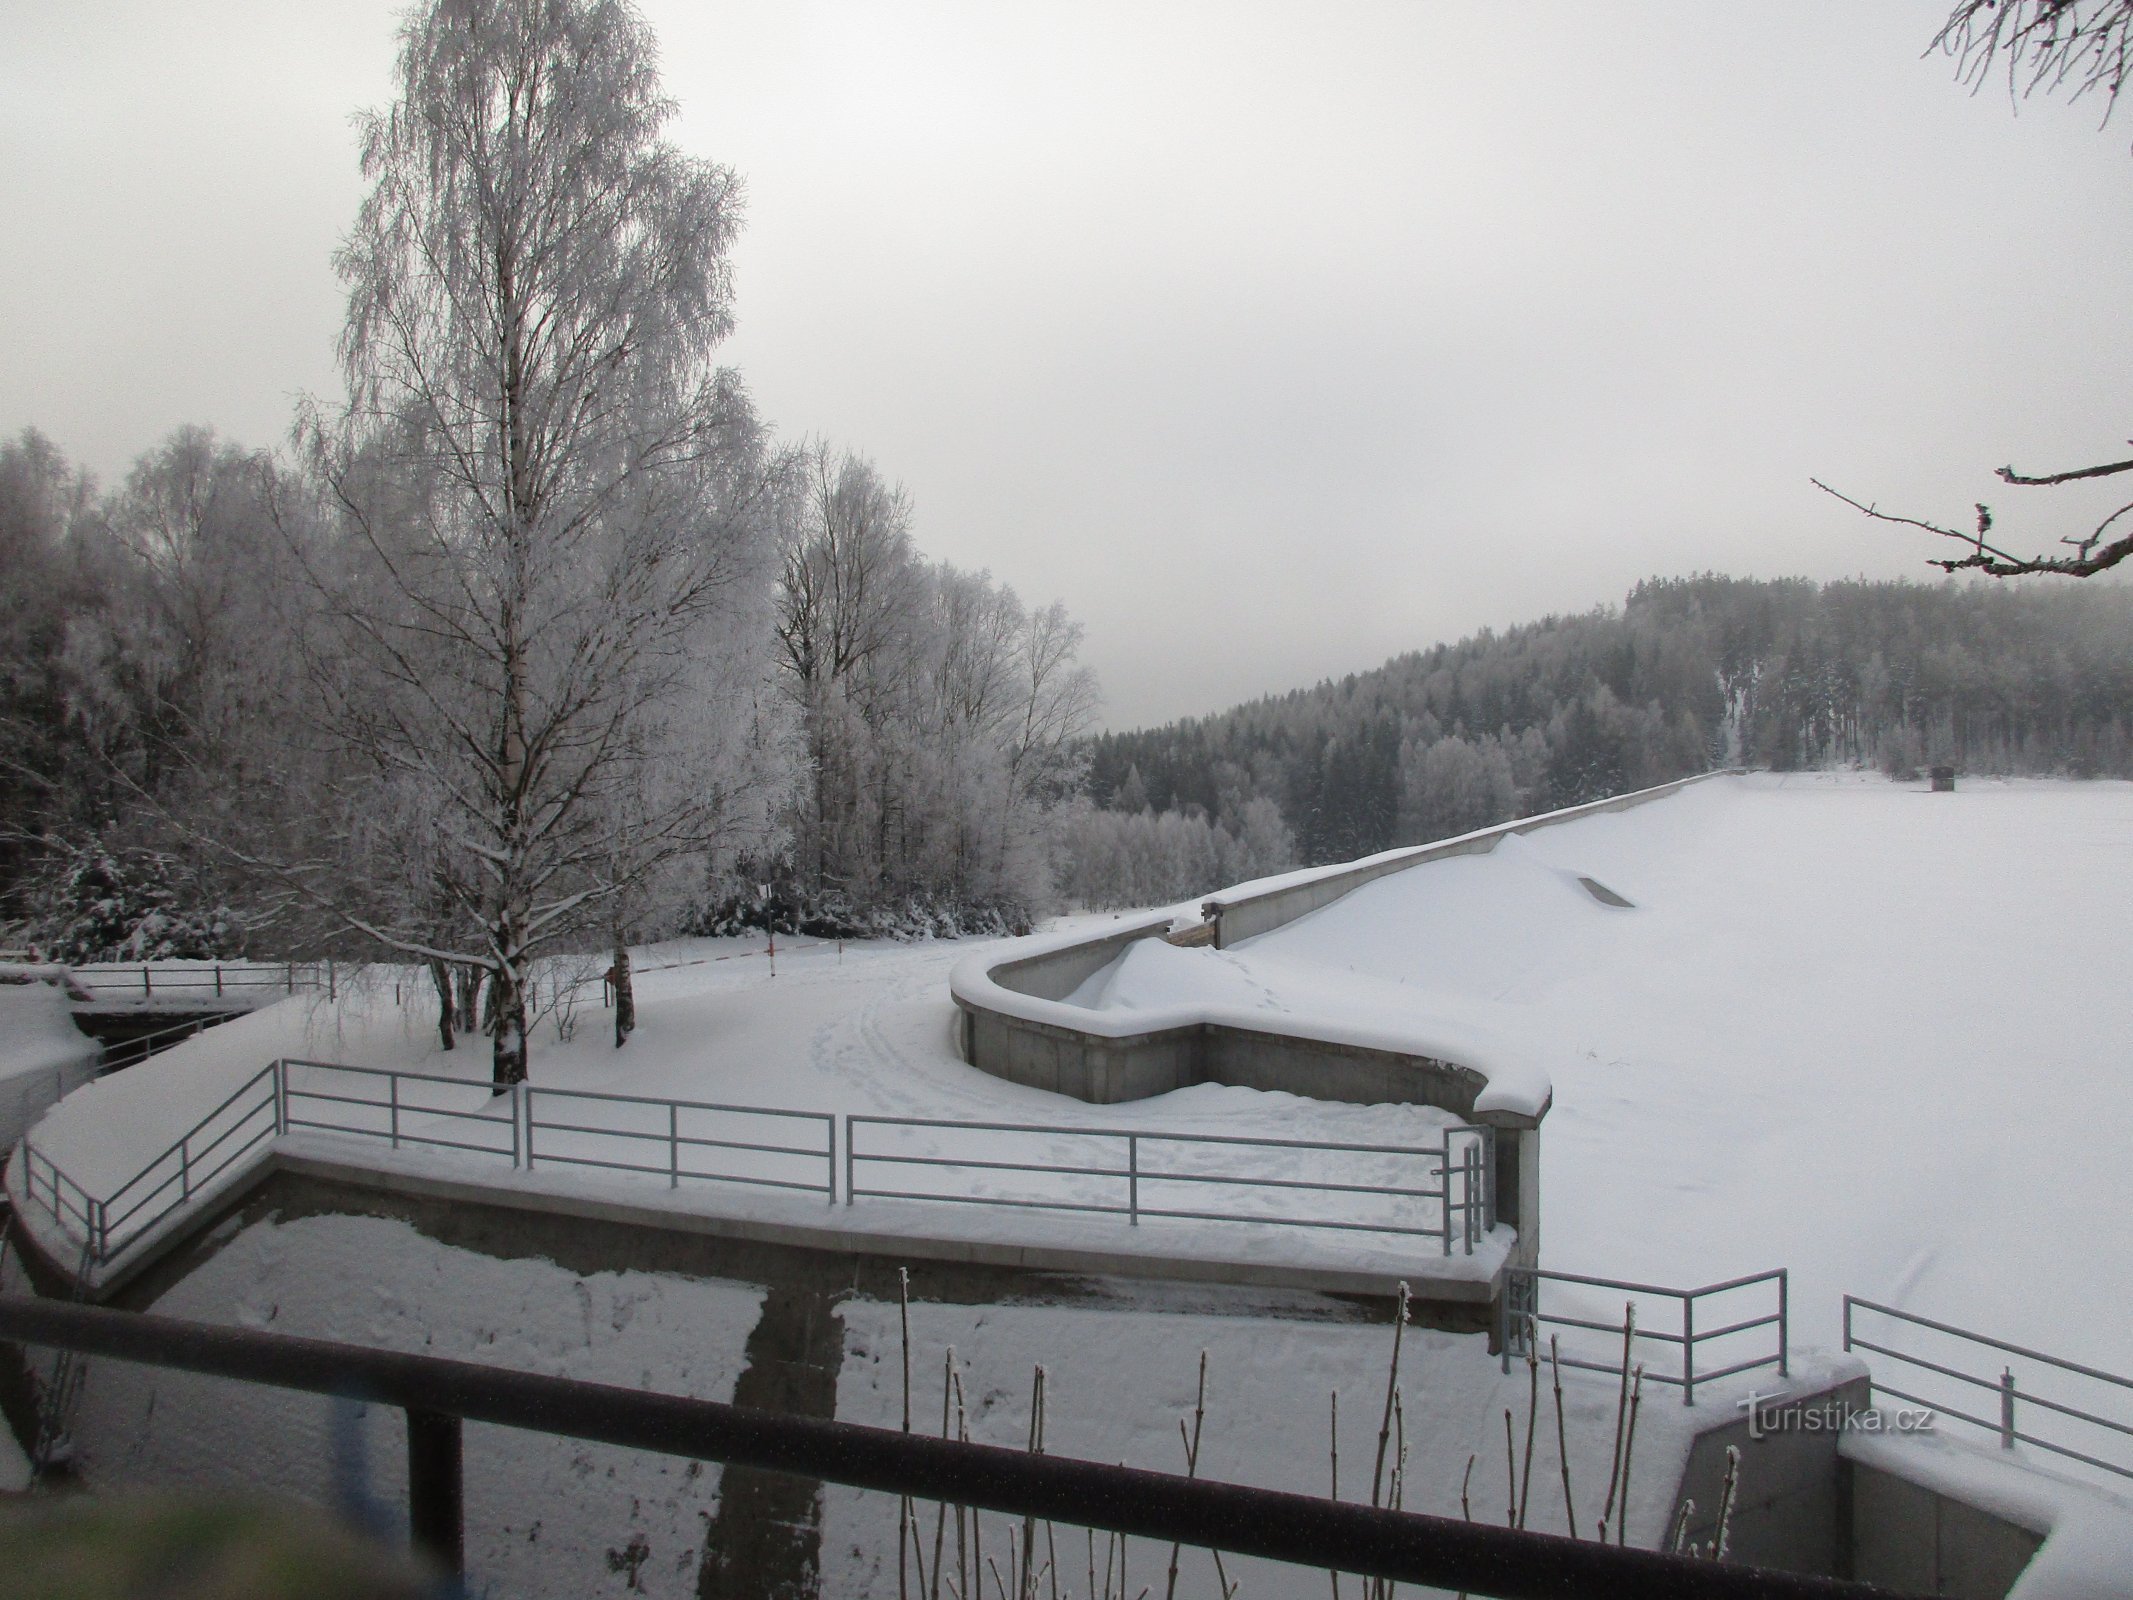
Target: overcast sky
(1274, 339)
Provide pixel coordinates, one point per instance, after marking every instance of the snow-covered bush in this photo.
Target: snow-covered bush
(107, 904)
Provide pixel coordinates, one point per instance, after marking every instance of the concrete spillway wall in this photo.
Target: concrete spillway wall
(1016, 1022)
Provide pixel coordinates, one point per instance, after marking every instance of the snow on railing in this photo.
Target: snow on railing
(148, 979)
(1427, 1191)
(1687, 1333)
(2024, 1373)
(1440, 1192)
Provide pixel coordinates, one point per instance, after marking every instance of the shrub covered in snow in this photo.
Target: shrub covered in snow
(105, 904)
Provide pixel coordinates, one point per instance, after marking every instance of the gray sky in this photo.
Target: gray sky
(1272, 338)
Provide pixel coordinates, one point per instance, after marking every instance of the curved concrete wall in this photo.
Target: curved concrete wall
(1014, 1022)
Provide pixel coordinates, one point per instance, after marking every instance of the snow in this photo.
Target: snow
(861, 1028)
(2086, 1530)
(1849, 1027)
(43, 1056)
(543, 1514)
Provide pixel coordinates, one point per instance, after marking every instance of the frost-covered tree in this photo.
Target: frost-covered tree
(544, 541)
(942, 718)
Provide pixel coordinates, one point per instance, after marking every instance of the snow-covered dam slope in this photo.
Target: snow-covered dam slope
(1844, 1025)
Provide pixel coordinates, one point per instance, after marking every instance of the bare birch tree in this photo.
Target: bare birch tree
(546, 505)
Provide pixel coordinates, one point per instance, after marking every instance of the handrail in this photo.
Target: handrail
(2011, 1394)
(1304, 1530)
(1463, 1160)
(1519, 1318)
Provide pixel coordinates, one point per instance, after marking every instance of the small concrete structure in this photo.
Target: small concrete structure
(1015, 1022)
(1910, 1536)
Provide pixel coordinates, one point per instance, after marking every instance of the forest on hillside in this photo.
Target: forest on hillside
(1687, 674)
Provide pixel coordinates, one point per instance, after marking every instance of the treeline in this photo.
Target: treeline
(883, 743)
(1687, 674)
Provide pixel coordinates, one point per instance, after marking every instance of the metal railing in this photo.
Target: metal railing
(1442, 1192)
(72, 1206)
(671, 1138)
(438, 1395)
(394, 1106)
(2012, 1389)
(1522, 1318)
(244, 1120)
(133, 1050)
(1439, 1192)
(143, 977)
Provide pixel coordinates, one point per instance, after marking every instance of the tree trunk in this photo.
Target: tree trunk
(466, 982)
(625, 994)
(507, 1003)
(441, 975)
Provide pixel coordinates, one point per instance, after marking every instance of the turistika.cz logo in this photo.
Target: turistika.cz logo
(1771, 1414)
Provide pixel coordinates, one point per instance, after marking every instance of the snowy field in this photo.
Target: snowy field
(863, 1028)
(1849, 1027)
(1846, 1027)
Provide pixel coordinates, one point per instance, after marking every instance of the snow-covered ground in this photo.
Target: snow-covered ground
(1849, 1027)
(862, 1028)
(550, 1516)
(43, 1056)
(1846, 1027)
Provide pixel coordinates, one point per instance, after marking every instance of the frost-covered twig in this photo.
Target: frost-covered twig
(1726, 1497)
(1629, 1445)
(1562, 1439)
(1533, 1380)
(1614, 1470)
(1334, 1435)
(1681, 1525)
(1510, 1469)
(1392, 1379)
(903, 1521)
(940, 1519)
(1192, 1464)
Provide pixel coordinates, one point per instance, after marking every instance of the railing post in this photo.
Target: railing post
(434, 1489)
(2007, 1403)
(521, 1111)
(218, 980)
(1503, 1320)
(1785, 1321)
(1444, 1191)
(673, 1145)
(1133, 1179)
(392, 1081)
(185, 1168)
(851, 1141)
(1468, 1214)
(1688, 1349)
(147, 983)
(99, 1227)
(281, 1097)
(830, 1177)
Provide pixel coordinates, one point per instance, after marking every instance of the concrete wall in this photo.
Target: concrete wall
(1788, 1513)
(1249, 915)
(1055, 974)
(1907, 1537)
